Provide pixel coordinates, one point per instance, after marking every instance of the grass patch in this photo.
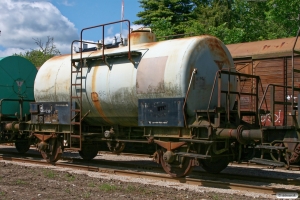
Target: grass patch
(49, 173)
(19, 182)
(91, 185)
(68, 191)
(86, 195)
(130, 188)
(70, 177)
(2, 193)
(107, 187)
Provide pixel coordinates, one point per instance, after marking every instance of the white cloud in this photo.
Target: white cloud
(20, 21)
(67, 3)
(134, 27)
(110, 30)
(11, 51)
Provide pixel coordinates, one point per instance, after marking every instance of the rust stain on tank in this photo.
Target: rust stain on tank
(282, 44)
(266, 47)
(135, 35)
(151, 44)
(150, 37)
(217, 49)
(142, 36)
(95, 98)
(219, 63)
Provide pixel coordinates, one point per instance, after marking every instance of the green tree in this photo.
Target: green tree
(285, 16)
(175, 12)
(233, 21)
(163, 27)
(214, 12)
(45, 52)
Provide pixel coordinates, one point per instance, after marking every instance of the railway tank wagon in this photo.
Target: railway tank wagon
(17, 76)
(149, 91)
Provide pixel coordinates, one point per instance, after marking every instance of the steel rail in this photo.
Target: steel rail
(156, 167)
(190, 181)
(153, 167)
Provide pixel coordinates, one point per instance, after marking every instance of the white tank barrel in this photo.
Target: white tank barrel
(162, 70)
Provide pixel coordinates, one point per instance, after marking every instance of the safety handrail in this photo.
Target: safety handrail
(274, 102)
(103, 25)
(229, 92)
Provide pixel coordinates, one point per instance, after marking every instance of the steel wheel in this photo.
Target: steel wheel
(22, 146)
(88, 151)
(116, 147)
(215, 166)
(180, 167)
(53, 151)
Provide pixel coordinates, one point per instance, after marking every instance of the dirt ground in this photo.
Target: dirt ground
(23, 182)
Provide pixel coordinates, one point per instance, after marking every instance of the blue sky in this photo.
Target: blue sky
(23, 20)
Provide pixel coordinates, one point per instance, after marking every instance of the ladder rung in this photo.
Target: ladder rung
(76, 97)
(76, 71)
(75, 136)
(76, 84)
(75, 123)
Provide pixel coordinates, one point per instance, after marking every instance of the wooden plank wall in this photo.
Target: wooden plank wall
(271, 71)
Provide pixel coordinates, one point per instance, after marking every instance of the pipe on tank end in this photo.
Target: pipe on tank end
(13, 126)
(244, 136)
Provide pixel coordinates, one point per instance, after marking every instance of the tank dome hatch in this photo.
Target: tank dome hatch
(142, 35)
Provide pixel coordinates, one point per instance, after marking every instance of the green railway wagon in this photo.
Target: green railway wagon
(17, 76)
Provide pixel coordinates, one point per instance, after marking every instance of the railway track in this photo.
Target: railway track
(153, 167)
(256, 187)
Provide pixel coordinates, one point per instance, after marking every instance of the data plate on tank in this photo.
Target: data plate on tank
(50, 112)
(161, 112)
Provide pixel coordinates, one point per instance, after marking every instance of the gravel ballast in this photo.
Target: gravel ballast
(30, 181)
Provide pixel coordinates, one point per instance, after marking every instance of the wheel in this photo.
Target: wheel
(180, 167)
(52, 150)
(116, 147)
(88, 151)
(216, 166)
(22, 146)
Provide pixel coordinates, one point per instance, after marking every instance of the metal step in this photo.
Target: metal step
(192, 155)
(267, 162)
(269, 147)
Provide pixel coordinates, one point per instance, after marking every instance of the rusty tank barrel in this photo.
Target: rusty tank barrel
(111, 90)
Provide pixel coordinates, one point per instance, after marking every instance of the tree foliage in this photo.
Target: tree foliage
(174, 12)
(232, 21)
(45, 52)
